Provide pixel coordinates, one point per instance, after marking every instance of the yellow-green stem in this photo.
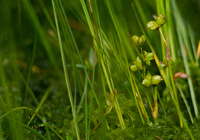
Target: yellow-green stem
(174, 89)
(155, 106)
(116, 104)
(149, 101)
(140, 101)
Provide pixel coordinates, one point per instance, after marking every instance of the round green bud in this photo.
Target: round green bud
(150, 55)
(160, 20)
(146, 82)
(138, 63)
(156, 79)
(135, 38)
(133, 68)
(148, 76)
(152, 25)
(141, 40)
(148, 62)
(147, 57)
(144, 53)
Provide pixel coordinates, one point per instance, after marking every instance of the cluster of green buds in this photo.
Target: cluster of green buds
(151, 80)
(147, 56)
(140, 63)
(160, 20)
(138, 40)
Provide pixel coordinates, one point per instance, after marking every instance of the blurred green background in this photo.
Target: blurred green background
(32, 74)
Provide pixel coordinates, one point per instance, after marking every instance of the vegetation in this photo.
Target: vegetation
(99, 70)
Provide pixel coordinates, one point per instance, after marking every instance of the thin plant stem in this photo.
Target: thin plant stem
(149, 101)
(140, 101)
(155, 105)
(66, 72)
(163, 37)
(170, 71)
(94, 34)
(186, 103)
(161, 103)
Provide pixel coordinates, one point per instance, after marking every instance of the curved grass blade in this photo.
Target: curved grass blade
(30, 129)
(41, 118)
(46, 94)
(186, 103)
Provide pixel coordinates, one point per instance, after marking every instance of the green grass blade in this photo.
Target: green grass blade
(102, 63)
(191, 86)
(80, 58)
(36, 23)
(41, 118)
(66, 72)
(47, 15)
(186, 103)
(30, 68)
(161, 10)
(126, 69)
(30, 129)
(194, 48)
(5, 83)
(173, 46)
(182, 28)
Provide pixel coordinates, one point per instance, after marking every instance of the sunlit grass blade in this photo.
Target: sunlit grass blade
(102, 63)
(117, 28)
(66, 72)
(77, 51)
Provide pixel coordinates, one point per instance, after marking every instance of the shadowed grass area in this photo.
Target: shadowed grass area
(84, 70)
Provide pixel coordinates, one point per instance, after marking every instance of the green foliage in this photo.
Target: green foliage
(66, 72)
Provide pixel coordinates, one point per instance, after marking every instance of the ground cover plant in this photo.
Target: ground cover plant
(99, 70)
